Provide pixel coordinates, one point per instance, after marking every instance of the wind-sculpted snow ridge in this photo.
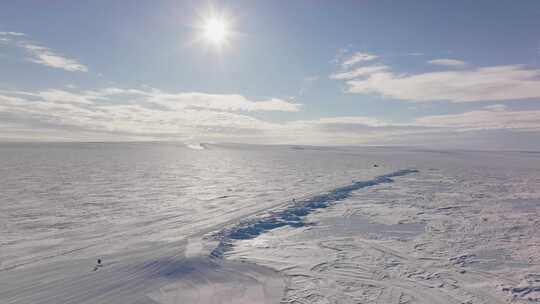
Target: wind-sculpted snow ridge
(293, 215)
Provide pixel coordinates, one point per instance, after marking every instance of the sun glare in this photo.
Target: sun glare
(216, 30)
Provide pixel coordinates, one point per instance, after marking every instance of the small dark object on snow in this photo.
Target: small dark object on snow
(98, 265)
(375, 165)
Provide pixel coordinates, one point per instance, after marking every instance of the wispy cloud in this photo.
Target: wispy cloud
(491, 83)
(478, 129)
(357, 58)
(149, 113)
(448, 62)
(224, 102)
(11, 34)
(47, 57)
(506, 82)
(358, 72)
(466, 84)
(42, 55)
(494, 118)
(154, 97)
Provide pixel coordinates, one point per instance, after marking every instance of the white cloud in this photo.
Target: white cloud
(42, 55)
(341, 122)
(491, 83)
(358, 72)
(11, 34)
(360, 120)
(128, 120)
(165, 100)
(7, 37)
(224, 102)
(357, 58)
(135, 113)
(148, 113)
(61, 96)
(481, 129)
(505, 82)
(485, 119)
(153, 114)
(448, 62)
(47, 57)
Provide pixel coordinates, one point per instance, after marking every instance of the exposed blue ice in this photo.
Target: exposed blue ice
(294, 214)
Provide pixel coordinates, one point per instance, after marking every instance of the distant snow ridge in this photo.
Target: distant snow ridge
(293, 214)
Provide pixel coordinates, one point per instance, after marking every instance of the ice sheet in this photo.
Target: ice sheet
(460, 228)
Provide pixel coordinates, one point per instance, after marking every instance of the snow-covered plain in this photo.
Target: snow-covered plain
(262, 224)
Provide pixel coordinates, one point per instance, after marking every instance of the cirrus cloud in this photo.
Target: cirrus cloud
(448, 62)
(358, 72)
(357, 58)
(466, 84)
(42, 55)
(505, 82)
(491, 118)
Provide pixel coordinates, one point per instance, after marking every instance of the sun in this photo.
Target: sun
(216, 30)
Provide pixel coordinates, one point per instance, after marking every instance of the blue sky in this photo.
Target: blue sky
(462, 74)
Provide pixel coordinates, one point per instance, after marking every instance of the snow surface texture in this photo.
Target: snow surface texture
(292, 214)
(173, 224)
(479, 244)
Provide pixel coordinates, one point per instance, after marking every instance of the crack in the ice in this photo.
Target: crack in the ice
(294, 214)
